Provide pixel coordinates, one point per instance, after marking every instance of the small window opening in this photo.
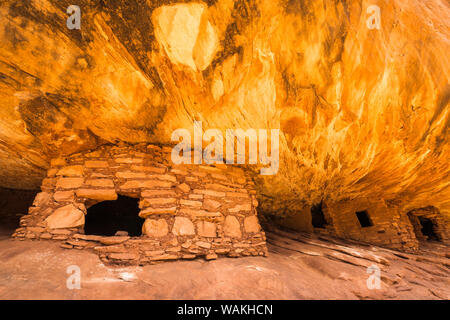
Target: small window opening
(364, 219)
(109, 218)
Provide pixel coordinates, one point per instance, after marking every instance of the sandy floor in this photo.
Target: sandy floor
(299, 267)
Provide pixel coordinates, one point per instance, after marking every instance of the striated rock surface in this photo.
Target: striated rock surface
(299, 266)
(362, 113)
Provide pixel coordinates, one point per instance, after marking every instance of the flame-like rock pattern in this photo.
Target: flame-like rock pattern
(362, 113)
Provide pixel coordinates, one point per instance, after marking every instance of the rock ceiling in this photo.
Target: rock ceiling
(362, 112)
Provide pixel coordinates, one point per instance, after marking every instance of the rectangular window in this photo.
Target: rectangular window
(364, 219)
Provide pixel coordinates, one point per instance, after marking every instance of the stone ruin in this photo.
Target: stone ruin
(184, 211)
(132, 205)
(375, 221)
(370, 152)
(372, 221)
(167, 212)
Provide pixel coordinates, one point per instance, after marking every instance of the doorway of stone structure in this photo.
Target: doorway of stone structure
(424, 227)
(428, 228)
(13, 205)
(118, 217)
(317, 216)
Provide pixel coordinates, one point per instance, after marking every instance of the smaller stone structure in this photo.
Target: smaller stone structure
(373, 221)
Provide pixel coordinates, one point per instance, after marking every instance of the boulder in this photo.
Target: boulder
(206, 229)
(183, 227)
(251, 224)
(71, 171)
(155, 228)
(65, 217)
(232, 227)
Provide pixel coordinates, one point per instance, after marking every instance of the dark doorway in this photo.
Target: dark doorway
(428, 228)
(364, 219)
(13, 205)
(108, 217)
(317, 216)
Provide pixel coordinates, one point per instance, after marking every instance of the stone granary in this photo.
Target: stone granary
(371, 221)
(362, 112)
(132, 205)
(179, 211)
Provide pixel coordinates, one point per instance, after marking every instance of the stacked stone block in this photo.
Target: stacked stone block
(187, 210)
(391, 227)
(440, 223)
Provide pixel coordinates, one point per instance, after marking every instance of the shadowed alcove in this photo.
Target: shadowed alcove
(428, 228)
(318, 218)
(13, 205)
(427, 223)
(108, 217)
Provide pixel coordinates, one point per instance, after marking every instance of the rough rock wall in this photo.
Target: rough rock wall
(441, 224)
(363, 113)
(13, 204)
(189, 211)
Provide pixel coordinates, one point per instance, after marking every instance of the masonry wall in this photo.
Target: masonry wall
(391, 228)
(188, 210)
(440, 223)
(297, 220)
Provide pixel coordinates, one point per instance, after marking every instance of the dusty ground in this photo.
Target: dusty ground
(300, 266)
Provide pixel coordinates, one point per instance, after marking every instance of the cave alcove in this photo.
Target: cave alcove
(317, 216)
(14, 203)
(428, 228)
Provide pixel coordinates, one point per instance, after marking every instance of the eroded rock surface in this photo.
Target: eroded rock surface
(363, 113)
(299, 266)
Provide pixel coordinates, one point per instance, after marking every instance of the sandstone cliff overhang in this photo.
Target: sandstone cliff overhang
(363, 113)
